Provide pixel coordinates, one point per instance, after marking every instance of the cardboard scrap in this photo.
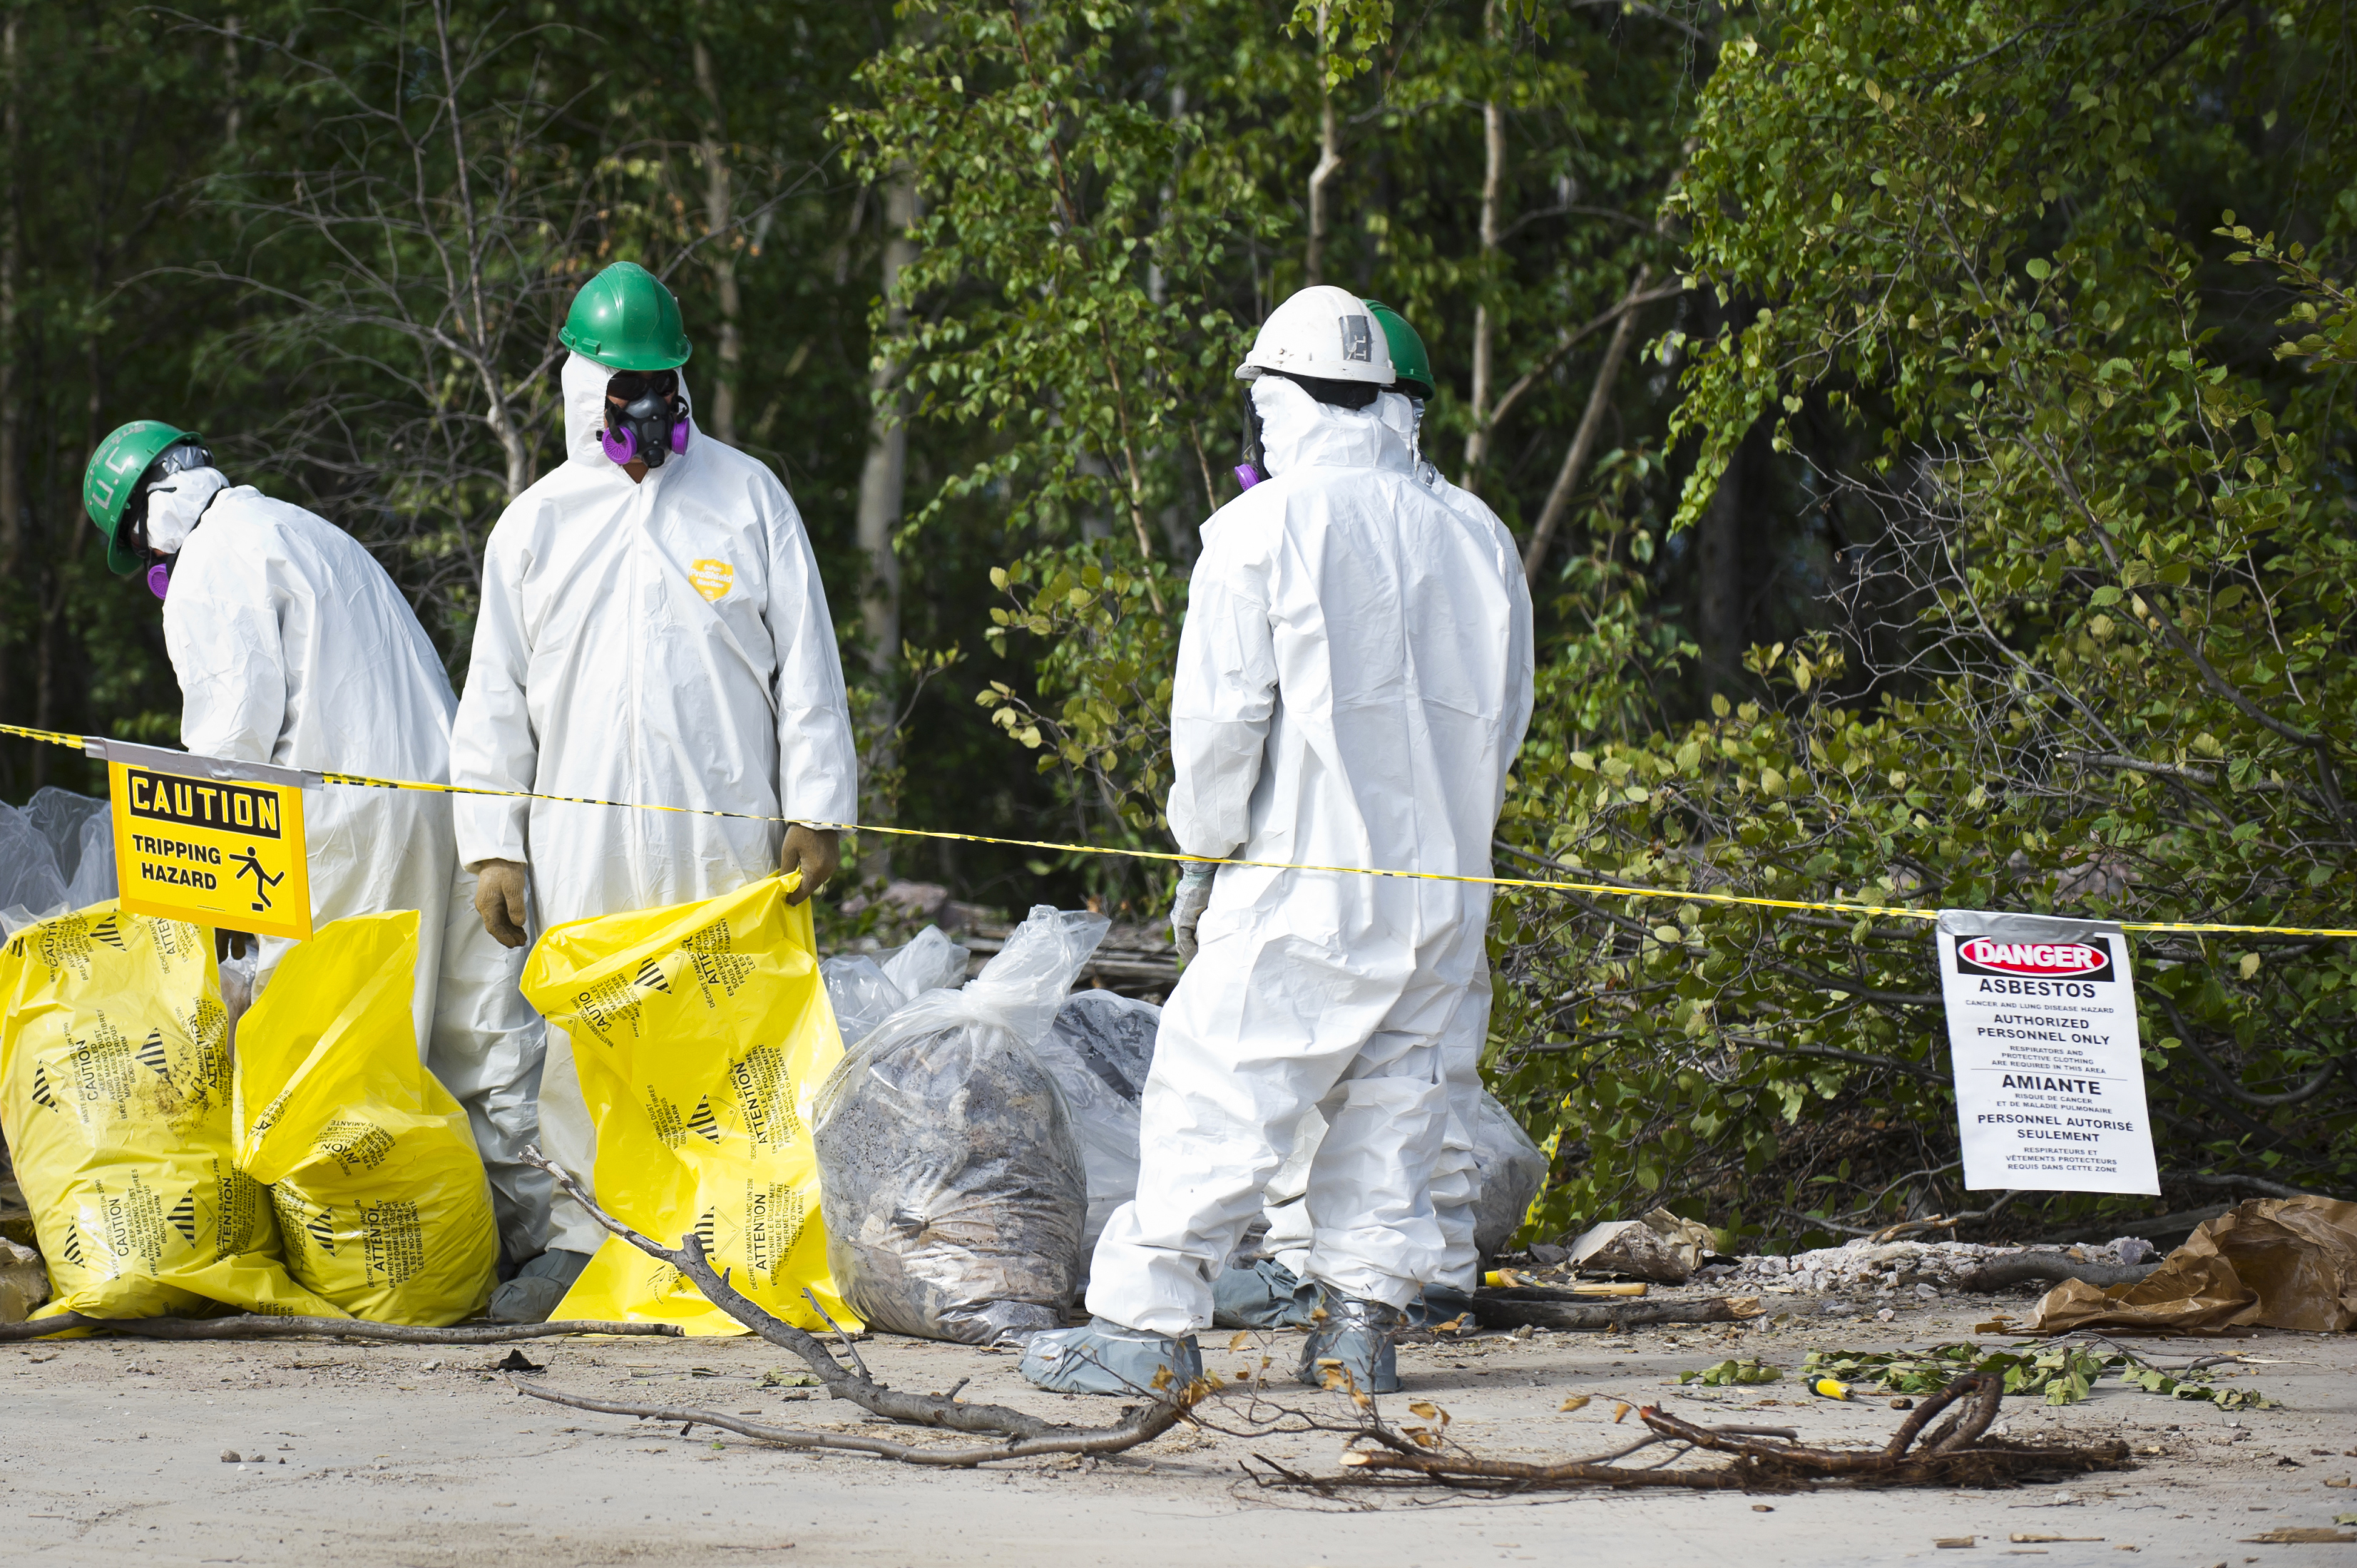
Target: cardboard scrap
(2273, 1262)
(1659, 1247)
(24, 1282)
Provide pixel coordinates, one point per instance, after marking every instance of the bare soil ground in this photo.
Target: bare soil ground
(113, 1451)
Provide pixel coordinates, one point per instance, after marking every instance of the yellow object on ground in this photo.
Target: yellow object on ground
(114, 1098)
(372, 1165)
(702, 1032)
(1830, 1388)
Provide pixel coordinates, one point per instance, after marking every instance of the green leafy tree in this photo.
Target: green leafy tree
(2093, 660)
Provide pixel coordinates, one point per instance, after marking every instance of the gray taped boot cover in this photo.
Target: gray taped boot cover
(1106, 1358)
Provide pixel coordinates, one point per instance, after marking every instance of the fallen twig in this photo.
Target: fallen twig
(1541, 1308)
(1054, 1440)
(1997, 1274)
(1166, 1407)
(255, 1327)
(1955, 1453)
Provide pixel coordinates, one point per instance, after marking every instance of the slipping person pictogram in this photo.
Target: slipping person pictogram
(262, 881)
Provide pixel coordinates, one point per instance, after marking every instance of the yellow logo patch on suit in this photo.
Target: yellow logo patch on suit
(713, 579)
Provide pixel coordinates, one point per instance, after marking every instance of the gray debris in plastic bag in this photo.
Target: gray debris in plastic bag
(1099, 1051)
(1510, 1166)
(950, 1173)
(865, 989)
(57, 854)
(30, 887)
(61, 816)
(91, 881)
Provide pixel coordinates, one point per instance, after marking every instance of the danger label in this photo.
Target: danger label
(2050, 1072)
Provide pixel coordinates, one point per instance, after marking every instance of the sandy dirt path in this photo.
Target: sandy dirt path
(111, 1452)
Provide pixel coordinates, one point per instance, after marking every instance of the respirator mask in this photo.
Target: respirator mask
(179, 459)
(1249, 472)
(650, 424)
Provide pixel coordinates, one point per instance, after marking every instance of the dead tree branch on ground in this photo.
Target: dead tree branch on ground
(1025, 1434)
(1765, 1458)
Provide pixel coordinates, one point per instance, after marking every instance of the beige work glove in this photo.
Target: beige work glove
(1186, 909)
(816, 853)
(500, 900)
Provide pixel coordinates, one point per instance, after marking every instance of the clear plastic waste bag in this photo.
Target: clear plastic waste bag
(30, 887)
(950, 1170)
(1099, 1052)
(865, 989)
(1511, 1168)
(63, 819)
(91, 880)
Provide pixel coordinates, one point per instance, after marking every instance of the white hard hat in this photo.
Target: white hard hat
(1325, 332)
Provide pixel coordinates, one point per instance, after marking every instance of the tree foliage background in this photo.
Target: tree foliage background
(1928, 429)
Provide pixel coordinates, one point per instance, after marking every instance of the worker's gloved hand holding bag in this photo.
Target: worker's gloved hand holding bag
(372, 1169)
(952, 1180)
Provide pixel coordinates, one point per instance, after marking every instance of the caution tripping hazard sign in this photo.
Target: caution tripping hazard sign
(2049, 1073)
(213, 842)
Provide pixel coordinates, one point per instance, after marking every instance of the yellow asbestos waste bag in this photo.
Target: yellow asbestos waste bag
(371, 1166)
(114, 1098)
(702, 1032)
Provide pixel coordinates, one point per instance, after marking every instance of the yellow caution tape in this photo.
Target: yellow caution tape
(1531, 884)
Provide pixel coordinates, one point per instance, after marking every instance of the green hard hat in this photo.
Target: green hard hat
(114, 474)
(1411, 366)
(626, 320)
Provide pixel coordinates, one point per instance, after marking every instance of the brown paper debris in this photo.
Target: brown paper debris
(2274, 1262)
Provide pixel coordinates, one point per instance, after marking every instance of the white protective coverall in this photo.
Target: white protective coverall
(1346, 694)
(1455, 1182)
(665, 642)
(293, 647)
(1455, 1179)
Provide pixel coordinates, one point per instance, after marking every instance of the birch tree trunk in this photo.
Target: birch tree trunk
(1583, 442)
(883, 478)
(1329, 161)
(719, 204)
(1494, 184)
(1718, 559)
(12, 417)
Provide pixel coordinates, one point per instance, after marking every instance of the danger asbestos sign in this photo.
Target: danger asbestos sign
(2049, 1076)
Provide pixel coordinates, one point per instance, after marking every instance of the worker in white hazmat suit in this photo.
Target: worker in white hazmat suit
(1270, 1291)
(293, 648)
(652, 630)
(1344, 697)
